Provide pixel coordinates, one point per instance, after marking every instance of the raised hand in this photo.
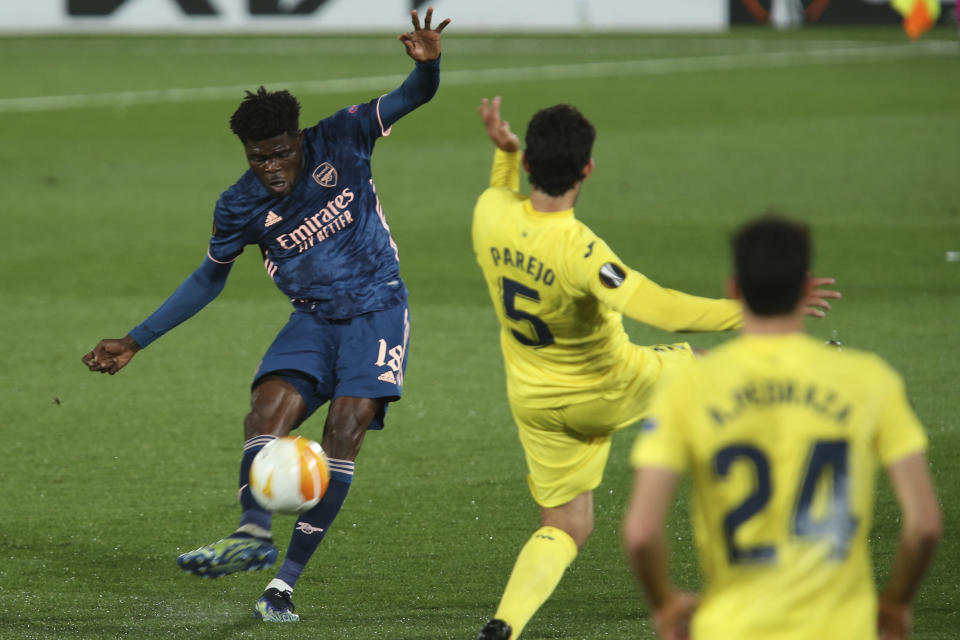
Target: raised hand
(109, 356)
(816, 304)
(497, 129)
(423, 43)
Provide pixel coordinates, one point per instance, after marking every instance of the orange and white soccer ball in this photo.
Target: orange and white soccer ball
(289, 475)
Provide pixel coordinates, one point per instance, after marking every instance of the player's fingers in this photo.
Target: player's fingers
(819, 282)
(428, 18)
(495, 108)
(491, 116)
(95, 363)
(415, 19)
(816, 313)
(828, 293)
(819, 302)
(443, 25)
(484, 110)
(821, 294)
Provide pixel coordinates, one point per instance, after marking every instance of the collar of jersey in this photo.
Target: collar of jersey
(545, 215)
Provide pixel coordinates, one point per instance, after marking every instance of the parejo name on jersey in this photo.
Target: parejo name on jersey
(528, 264)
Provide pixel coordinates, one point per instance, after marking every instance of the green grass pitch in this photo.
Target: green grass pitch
(107, 203)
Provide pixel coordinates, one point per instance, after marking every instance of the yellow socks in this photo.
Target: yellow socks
(537, 572)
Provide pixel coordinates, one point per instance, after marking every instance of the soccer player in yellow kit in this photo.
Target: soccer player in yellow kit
(573, 377)
(782, 437)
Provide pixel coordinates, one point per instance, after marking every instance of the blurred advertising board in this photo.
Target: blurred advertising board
(823, 11)
(356, 15)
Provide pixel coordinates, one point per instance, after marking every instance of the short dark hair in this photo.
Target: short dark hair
(559, 142)
(266, 114)
(771, 257)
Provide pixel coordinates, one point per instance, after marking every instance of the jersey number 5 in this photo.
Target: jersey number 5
(827, 458)
(511, 289)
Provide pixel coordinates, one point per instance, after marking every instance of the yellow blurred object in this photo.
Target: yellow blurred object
(918, 15)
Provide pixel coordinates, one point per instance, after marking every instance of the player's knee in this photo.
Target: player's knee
(347, 425)
(276, 407)
(579, 531)
(583, 531)
(574, 518)
(342, 437)
(255, 423)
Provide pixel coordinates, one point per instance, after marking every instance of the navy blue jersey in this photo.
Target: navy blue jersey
(328, 240)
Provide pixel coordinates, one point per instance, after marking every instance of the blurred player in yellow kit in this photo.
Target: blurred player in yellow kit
(782, 437)
(573, 377)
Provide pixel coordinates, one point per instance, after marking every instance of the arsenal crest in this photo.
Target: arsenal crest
(325, 175)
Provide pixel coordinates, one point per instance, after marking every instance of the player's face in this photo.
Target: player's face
(276, 161)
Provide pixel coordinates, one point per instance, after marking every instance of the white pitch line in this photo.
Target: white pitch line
(656, 66)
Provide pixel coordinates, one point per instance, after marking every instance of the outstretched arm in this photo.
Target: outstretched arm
(423, 45)
(673, 310)
(645, 301)
(200, 287)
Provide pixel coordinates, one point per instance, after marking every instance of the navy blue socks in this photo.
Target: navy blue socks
(312, 525)
(254, 519)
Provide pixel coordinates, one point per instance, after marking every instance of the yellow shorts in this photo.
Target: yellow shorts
(567, 447)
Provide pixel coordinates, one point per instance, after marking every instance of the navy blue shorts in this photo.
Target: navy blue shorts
(361, 357)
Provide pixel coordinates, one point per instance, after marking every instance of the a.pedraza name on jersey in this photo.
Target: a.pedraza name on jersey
(321, 225)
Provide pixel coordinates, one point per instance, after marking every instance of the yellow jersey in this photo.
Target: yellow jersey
(559, 293)
(782, 436)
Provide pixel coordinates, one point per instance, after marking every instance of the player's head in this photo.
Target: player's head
(771, 259)
(268, 125)
(559, 142)
(266, 114)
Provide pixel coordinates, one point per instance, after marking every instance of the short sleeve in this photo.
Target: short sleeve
(227, 239)
(899, 432)
(662, 440)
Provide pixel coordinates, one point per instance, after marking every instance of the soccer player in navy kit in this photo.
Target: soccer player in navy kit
(309, 203)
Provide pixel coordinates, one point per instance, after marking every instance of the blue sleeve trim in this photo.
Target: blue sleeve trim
(196, 292)
(419, 87)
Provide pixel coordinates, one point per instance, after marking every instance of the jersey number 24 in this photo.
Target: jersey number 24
(827, 458)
